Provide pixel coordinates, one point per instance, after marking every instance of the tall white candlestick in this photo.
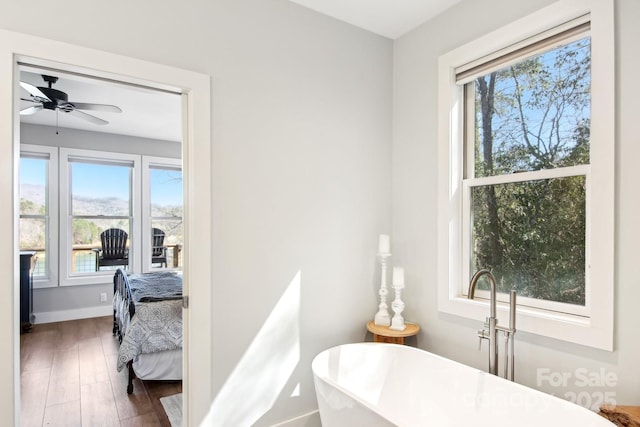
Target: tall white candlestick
(397, 322)
(382, 317)
(398, 277)
(384, 244)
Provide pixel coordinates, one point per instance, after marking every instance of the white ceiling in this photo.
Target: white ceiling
(388, 18)
(145, 113)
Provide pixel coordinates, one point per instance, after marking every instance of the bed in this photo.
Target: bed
(147, 320)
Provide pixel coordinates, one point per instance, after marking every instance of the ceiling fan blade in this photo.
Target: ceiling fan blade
(96, 107)
(34, 91)
(30, 110)
(93, 119)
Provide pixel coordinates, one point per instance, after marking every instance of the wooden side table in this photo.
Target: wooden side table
(385, 334)
(621, 415)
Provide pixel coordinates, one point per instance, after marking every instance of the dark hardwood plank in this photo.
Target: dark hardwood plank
(64, 383)
(146, 420)
(93, 366)
(37, 350)
(129, 405)
(34, 389)
(158, 389)
(63, 415)
(97, 405)
(69, 378)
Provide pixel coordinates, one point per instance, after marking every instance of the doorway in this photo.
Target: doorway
(194, 88)
(113, 165)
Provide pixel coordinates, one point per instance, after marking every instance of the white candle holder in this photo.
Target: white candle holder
(397, 323)
(382, 317)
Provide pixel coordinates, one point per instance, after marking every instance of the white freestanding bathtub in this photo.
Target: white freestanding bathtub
(376, 384)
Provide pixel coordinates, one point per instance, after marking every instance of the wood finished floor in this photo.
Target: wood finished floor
(69, 378)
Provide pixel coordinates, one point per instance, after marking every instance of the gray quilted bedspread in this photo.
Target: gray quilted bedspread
(157, 286)
(156, 326)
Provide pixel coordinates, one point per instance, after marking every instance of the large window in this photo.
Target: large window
(98, 191)
(101, 199)
(162, 212)
(39, 210)
(526, 150)
(525, 180)
(68, 197)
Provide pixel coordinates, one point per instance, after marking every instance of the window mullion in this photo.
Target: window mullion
(128, 217)
(580, 170)
(29, 216)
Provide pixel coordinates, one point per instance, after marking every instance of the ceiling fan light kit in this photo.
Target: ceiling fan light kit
(48, 98)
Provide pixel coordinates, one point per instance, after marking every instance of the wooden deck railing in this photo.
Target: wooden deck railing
(83, 258)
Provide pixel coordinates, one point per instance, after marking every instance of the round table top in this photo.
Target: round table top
(409, 330)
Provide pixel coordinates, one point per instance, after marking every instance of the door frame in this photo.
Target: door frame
(196, 158)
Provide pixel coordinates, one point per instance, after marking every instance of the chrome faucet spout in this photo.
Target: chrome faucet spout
(492, 321)
(491, 325)
(492, 288)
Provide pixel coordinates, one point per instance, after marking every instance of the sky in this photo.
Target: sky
(102, 181)
(552, 107)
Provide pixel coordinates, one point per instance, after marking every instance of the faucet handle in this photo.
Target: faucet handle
(482, 335)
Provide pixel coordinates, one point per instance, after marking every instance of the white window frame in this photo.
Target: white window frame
(594, 326)
(66, 278)
(148, 162)
(52, 212)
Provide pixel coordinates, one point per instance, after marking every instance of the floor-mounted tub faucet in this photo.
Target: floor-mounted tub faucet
(491, 328)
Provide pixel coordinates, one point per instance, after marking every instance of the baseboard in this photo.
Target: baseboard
(312, 419)
(75, 314)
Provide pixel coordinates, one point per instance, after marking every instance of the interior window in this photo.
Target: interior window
(166, 216)
(100, 200)
(34, 210)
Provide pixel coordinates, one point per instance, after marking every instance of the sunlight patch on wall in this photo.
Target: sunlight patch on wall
(296, 391)
(264, 369)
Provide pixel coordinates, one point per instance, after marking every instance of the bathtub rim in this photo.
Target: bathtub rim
(405, 348)
(341, 389)
(359, 399)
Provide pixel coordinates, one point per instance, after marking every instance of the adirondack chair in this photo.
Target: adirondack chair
(158, 250)
(114, 250)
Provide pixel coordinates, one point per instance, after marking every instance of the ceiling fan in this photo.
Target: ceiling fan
(49, 98)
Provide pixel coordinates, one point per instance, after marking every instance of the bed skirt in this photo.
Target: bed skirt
(164, 365)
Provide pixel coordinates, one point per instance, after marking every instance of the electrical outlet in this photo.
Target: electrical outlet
(103, 296)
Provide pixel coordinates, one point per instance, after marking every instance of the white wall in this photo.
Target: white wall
(301, 170)
(75, 138)
(414, 203)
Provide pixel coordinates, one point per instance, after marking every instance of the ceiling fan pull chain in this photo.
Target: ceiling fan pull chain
(56, 119)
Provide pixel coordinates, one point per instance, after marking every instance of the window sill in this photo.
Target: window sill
(43, 284)
(587, 331)
(88, 279)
